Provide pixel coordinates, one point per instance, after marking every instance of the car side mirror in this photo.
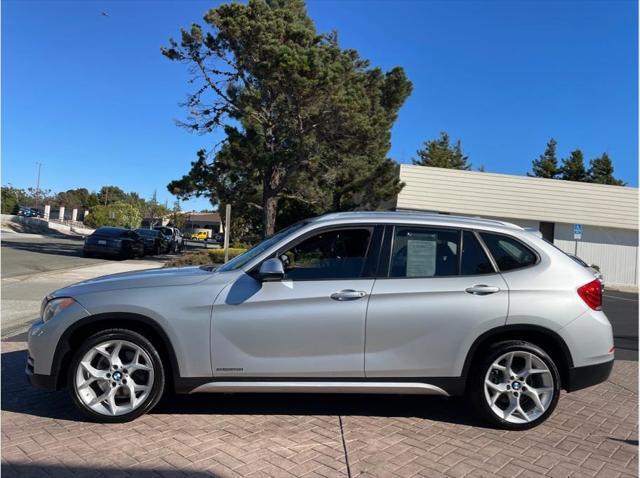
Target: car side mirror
(271, 270)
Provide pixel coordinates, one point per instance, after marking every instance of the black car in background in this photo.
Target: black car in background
(28, 211)
(113, 242)
(154, 241)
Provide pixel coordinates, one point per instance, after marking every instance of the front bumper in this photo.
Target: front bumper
(46, 347)
(589, 375)
(48, 382)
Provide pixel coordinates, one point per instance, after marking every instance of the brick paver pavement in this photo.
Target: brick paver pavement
(593, 433)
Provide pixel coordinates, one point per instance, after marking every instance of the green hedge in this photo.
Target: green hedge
(208, 257)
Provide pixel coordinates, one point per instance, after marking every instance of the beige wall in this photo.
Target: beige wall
(517, 197)
(609, 214)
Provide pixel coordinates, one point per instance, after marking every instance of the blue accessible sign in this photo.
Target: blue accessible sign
(577, 231)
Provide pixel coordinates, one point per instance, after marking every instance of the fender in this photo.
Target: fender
(114, 319)
(512, 332)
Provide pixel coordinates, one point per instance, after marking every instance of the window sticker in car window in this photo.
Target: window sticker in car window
(421, 255)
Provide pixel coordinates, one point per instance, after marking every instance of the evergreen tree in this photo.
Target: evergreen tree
(573, 167)
(601, 171)
(439, 153)
(546, 166)
(293, 105)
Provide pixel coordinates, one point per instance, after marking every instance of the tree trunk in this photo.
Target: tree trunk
(336, 201)
(269, 209)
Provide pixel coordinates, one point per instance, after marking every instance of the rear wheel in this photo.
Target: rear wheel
(516, 385)
(116, 376)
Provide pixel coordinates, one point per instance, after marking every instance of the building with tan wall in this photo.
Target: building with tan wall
(607, 215)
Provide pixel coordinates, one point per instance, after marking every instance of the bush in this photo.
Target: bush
(118, 214)
(203, 258)
(217, 255)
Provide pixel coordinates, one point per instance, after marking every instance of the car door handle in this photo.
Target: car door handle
(348, 294)
(482, 289)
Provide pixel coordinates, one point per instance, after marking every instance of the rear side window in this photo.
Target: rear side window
(424, 252)
(474, 259)
(508, 253)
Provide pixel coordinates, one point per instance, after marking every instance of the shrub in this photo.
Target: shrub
(208, 257)
(119, 214)
(217, 255)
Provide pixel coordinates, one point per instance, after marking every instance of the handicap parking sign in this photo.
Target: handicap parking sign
(577, 231)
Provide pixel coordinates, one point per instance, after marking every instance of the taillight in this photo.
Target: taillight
(591, 293)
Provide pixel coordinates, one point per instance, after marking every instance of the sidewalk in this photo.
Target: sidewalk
(22, 295)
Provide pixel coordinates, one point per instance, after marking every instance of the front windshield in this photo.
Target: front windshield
(146, 232)
(258, 249)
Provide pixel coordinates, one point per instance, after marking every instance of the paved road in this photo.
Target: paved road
(34, 265)
(622, 310)
(24, 254)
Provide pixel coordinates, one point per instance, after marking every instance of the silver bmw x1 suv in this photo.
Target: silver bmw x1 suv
(392, 303)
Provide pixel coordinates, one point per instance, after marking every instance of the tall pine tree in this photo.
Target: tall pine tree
(286, 96)
(573, 169)
(601, 171)
(439, 153)
(546, 166)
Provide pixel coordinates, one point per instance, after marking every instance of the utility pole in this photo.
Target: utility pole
(38, 183)
(227, 230)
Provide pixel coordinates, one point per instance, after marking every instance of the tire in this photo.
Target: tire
(515, 406)
(141, 375)
(86, 254)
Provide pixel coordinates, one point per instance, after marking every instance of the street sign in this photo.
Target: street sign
(577, 231)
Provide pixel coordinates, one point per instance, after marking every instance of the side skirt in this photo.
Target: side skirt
(320, 387)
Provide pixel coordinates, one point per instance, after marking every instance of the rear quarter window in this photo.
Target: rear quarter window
(509, 253)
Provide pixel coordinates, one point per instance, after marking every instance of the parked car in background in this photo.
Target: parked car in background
(217, 237)
(113, 242)
(29, 212)
(596, 272)
(403, 303)
(155, 242)
(199, 235)
(174, 236)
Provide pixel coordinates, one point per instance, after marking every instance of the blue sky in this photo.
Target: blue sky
(92, 98)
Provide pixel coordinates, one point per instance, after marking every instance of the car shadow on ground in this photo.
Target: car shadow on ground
(57, 248)
(20, 397)
(50, 470)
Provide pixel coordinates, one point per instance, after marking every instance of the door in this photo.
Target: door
(311, 323)
(440, 292)
(547, 231)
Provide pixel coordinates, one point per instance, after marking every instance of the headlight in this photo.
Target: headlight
(55, 306)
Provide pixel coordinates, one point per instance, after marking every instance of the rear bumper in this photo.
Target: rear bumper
(583, 377)
(107, 251)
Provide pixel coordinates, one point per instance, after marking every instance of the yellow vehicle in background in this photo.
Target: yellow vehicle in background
(200, 235)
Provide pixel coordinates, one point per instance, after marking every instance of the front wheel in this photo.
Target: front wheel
(516, 386)
(116, 376)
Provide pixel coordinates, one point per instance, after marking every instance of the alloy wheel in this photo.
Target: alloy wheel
(114, 377)
(519, 387)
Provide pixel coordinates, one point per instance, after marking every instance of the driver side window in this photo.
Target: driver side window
(336, 254)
